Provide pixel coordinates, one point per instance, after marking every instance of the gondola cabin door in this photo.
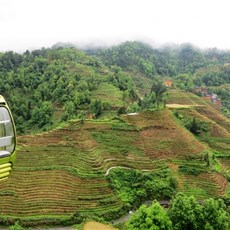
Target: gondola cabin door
(7, 140)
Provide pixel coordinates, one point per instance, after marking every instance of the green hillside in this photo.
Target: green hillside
(99, 133)
(66, 170)
(48, 86)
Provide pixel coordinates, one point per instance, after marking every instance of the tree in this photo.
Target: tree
(69, 111)
(196, 126)
(69, 108)
(185, 213)
(153, 217)
(96, 108)
(184, 81)
(215, 215)
(76, 217)
(159, 89)
(149, 101)
(16, 226)
(42, 115)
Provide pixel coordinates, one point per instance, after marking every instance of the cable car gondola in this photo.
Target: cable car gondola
(7, 140)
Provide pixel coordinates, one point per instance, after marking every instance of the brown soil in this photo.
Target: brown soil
(97, 226)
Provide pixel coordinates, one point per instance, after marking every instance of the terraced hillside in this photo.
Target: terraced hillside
(61, 172)
(217, 138)
(64, 171)
(162, 138)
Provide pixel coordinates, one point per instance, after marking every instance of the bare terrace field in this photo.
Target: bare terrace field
(162, 138)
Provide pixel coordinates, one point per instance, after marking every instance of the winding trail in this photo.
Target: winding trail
(114, 167)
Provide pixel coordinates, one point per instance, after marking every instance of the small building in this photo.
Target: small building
(168, 83)
(214, 96)
(203, 91)
(218, 102)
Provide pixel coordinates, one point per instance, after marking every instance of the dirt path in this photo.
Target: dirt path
(180, 106)
(114, 167)
(174, 169)
(97, 226)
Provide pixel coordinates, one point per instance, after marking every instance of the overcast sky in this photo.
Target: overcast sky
(29, 24)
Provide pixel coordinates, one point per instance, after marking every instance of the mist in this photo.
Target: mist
(34, 24)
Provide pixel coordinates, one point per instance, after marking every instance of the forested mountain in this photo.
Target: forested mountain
(188, 66)
(170, 61)
(41, 84)
(47, 86)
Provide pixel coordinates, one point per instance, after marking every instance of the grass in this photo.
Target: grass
(108, 93)
(185, 98)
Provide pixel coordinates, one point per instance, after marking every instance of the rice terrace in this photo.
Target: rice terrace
(94, 143)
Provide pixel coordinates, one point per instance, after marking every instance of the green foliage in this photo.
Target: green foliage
(133, 187)
(42, 115)
(149, 101)
(213, 77)
(69, 111)
(194, 125)
(152, 100)
(190, 170)
(131, 56)
(120, 79)
(76, 218)
(184, 81)
(8, 193)
(153, 217)
(190, 59)
(96, 108)
(215, 215)
(16, 226)
(134, 107)
(158, 88)
(121, 110)
(185, 213)
(62, 75)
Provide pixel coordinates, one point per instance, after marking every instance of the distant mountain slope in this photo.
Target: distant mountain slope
(63, 83)
(47, 86)
(165, 61)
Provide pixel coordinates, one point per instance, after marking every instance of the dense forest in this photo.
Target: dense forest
(48, 86)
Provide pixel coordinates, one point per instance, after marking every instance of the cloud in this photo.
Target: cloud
(36, 23)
